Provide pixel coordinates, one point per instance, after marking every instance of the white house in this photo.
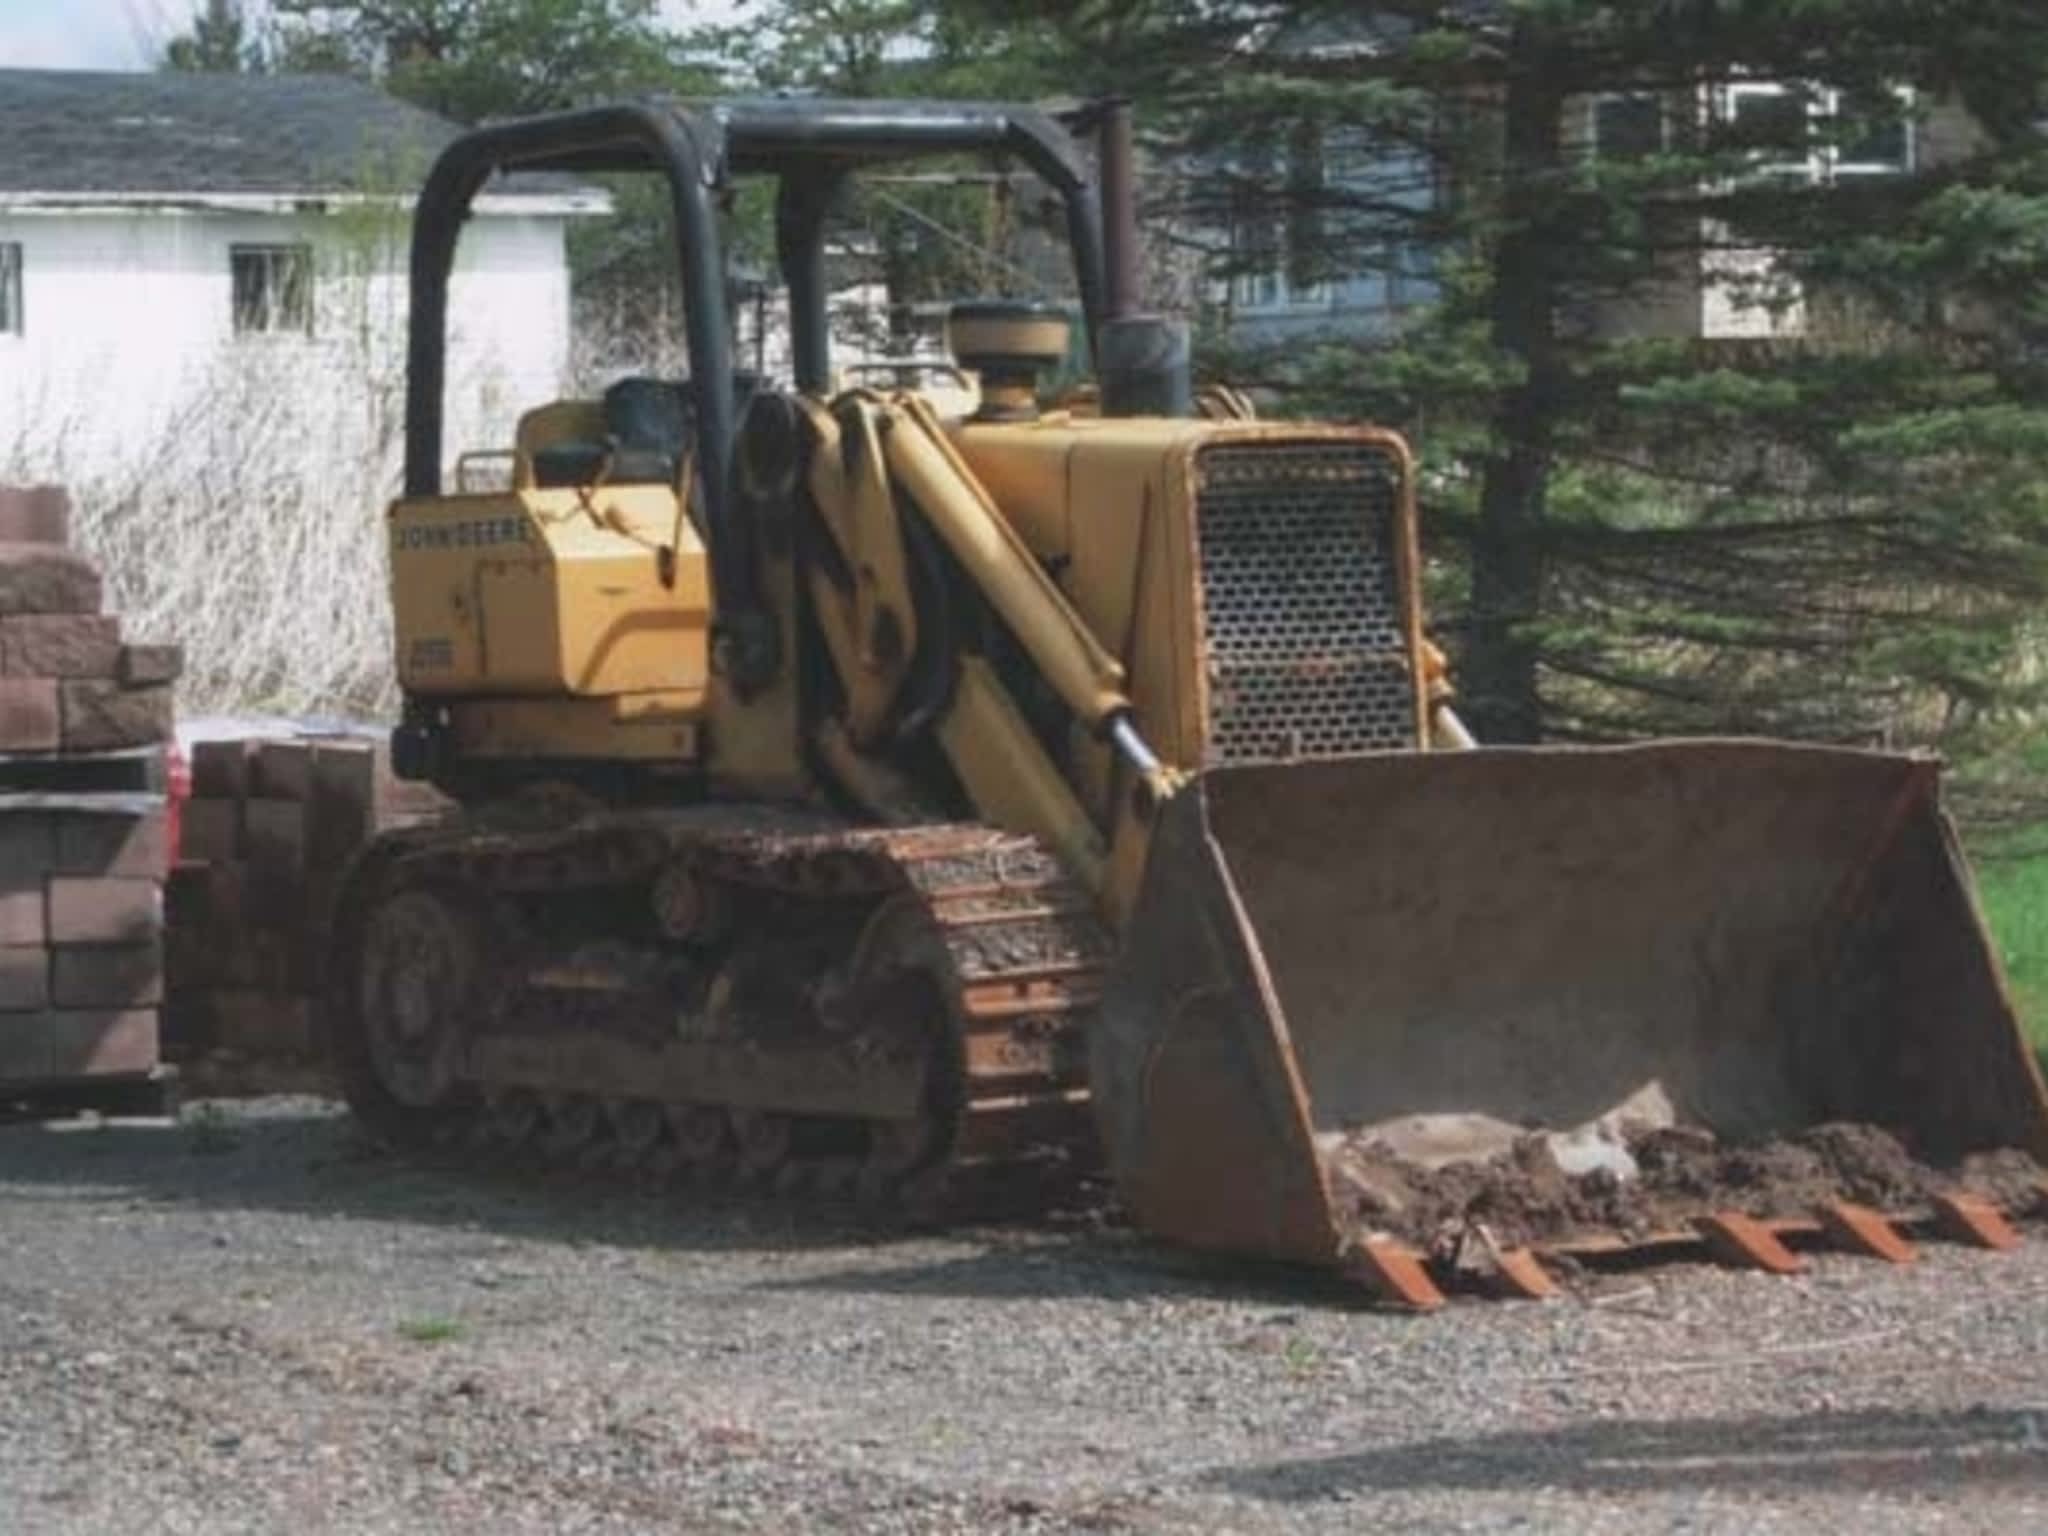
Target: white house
(230, 250)
(202, 333)
(1711, 289)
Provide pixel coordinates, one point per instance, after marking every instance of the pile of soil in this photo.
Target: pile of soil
(1523, 1197)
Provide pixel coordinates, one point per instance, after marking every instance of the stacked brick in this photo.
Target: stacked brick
(84, 720)
(68, 682)
(264, 840)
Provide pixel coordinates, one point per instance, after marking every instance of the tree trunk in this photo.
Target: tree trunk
(1498, 680)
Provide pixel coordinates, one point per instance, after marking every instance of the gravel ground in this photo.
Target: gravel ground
(252, 1322)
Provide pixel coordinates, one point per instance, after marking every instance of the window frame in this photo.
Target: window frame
(1601, 99)
(1906, 165)
(1824, 161)
(1268, 292)
(13, 300)
(1810, 167)
(276, 256)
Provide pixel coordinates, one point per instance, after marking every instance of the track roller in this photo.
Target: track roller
(514, 1116)
(575, 1122)
(636, 1127)
(764, 1141)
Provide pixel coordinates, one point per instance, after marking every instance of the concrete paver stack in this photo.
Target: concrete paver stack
(85, 718)
(265, 836)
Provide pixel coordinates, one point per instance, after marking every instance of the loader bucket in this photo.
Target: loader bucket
(1449, 950)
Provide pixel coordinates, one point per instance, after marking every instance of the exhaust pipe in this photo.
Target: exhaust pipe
(1144, 364)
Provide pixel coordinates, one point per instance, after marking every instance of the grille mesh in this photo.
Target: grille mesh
(1307, 654)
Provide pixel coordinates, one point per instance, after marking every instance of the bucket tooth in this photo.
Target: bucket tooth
(1747, 1243)
(1520, 1275)
(1513, 1274)
(1967, 1219)
(1394, 1273)
(1858, 1229)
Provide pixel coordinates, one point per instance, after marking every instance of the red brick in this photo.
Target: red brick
(29, 718)
(343, 804)
(186, 905)
(60, 645)
(103, 911)
(107, 975)
(227, 899)
(220, 769)
(46, 578)
(140, 664)
(35, 514)
(104, 716)
(28, 849)
(210, 831)
(283, 771)
(205, 929)
(252, 921)
(274, 834)
(91, 843)
(21, 915)
(191, 958)
(24, 977)
(102, 1042)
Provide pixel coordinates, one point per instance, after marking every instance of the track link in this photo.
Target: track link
(901, 1013)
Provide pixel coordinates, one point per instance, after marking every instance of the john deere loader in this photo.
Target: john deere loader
(891, 788)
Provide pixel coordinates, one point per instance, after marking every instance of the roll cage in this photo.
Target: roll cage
(699, 149)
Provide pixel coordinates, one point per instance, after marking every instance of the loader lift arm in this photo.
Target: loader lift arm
(864, 450)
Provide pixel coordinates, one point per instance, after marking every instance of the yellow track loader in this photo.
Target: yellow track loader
(893, 790)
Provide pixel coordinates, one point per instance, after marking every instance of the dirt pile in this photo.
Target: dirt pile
(1523, 1197)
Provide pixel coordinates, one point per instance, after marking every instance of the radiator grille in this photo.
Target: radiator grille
(1307, 652)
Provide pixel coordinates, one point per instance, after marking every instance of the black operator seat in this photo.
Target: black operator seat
(650, 427)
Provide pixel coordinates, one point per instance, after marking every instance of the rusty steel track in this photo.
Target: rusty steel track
(898, 1011)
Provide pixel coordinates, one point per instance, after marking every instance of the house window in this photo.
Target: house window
(10, 288)
(1270, 290)
(1627, 127)
(273, 288)
(1769, 121)
(1411, 276)
(1776, 124)
(1873, 138)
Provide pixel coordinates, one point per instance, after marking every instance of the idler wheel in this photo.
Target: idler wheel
(416, 996)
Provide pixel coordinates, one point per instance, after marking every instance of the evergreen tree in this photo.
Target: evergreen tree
(472, 59)
(1833, 529)
(949, 230)
(219, 42)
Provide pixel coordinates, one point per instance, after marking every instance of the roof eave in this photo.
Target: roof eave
(577, 204)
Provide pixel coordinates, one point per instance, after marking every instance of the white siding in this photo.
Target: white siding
(128, 334)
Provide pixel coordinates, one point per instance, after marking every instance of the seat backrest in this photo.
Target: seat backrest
(652, 425)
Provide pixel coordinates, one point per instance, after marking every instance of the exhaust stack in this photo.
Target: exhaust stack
(1143, 363)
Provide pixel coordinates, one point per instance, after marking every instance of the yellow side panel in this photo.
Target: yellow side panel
(622, 629)
(542, 592)
(1026, 468)
(520, 639)
(1107, 504)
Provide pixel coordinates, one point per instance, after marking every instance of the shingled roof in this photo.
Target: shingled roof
(82, 132)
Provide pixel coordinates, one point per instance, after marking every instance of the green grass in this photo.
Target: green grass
(2015, 892)
(431, 1330)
